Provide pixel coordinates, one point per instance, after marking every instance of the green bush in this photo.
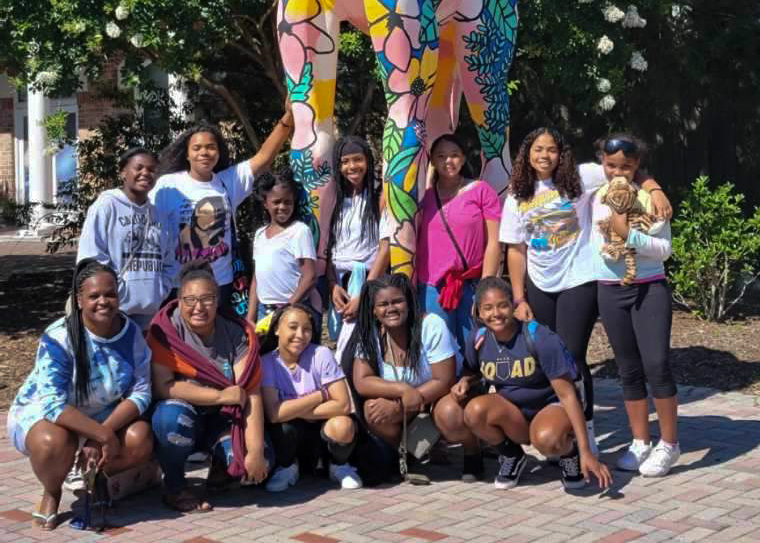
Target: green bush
(14, 214)
(715, 250)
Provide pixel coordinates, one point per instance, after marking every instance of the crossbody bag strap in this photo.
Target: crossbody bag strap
(448, 228)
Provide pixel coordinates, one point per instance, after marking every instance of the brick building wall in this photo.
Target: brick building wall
(7, 164)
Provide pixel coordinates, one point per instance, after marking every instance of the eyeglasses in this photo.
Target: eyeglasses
(614, 145)
(206, 301)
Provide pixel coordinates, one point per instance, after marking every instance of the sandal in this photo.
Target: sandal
(185, 501)
(45, 522)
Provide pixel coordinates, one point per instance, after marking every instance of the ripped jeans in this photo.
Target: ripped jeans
(182, 429)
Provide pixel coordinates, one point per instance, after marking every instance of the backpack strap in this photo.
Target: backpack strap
(530, 328)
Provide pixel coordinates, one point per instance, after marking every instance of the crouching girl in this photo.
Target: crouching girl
(306, 400)
(535, 400)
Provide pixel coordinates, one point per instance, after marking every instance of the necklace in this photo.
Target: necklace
(401, 356)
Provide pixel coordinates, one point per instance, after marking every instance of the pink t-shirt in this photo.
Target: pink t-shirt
(466, 215)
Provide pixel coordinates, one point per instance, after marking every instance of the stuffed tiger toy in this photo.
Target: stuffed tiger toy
(623, 197)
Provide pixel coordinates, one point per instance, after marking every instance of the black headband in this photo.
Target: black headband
(352, 148)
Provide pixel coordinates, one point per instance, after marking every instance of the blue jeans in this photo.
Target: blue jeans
(459, 321)
(182, 429)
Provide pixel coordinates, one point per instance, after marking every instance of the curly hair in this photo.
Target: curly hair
(174, 157)
(265, 183)
(566, 178)
(371, 213)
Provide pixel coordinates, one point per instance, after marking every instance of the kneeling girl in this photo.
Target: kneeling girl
(305, 398)
(535, 400)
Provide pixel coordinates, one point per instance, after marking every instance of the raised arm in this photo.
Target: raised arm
(261, 161)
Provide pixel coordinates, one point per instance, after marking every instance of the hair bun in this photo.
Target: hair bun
(198, 265)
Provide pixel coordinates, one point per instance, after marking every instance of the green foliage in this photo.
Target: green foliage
(715, 250)
(14, 214)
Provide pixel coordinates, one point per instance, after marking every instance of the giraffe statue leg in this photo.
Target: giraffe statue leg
(405, 40)
(307, 33)
(485, 47)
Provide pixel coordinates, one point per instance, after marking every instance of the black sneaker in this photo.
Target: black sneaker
(570, 470)
(473, 468)
(510, 468)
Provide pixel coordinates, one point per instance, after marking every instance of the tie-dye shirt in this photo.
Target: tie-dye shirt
(119, 369)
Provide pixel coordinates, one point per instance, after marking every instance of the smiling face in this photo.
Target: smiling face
(354, 167)
(198, 304)
(279, 203)
(294, 332)
(619, 165)
(448, 159)
(139, 175)
(391, 308)
(202, 154)
(495, 311)
(544, 156)
(98, 300)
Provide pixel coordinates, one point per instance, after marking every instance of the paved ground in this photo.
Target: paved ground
(713, 494)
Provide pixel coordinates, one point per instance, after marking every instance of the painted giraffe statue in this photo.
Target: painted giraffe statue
(430, 52)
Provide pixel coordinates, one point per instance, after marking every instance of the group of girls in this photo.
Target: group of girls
(490, 362)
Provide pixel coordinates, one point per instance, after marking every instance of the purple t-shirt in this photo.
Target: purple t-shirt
(466, 214)
(317, 368)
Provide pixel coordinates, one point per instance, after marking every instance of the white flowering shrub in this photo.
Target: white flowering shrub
(113, 30)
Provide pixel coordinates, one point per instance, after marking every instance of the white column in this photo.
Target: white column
(40, 174)
(178, 94)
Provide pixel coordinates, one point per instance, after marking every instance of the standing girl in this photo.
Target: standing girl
(546, 223)
(124, 231)
(535, 400)
(638, 317)
(199, 191)
(356, 246)
(306, 400)
(458, 238)
(284, 258)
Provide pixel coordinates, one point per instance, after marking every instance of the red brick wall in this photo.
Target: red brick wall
(92, 108)
(7, 168)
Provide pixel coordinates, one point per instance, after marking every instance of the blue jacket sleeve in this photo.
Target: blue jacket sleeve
(54, 367)
(140, 391)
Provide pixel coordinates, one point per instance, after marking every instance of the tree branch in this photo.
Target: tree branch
(363, 108)
(233, 104)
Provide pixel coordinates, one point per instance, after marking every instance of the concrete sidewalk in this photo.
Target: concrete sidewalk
(713, 494)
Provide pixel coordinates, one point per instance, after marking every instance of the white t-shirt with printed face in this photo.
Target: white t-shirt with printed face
(556, 230)
(276, 261)
(200, 214)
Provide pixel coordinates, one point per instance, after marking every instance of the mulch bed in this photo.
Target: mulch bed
(723, 356)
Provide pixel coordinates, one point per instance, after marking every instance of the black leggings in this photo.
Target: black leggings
(637, 319)
(572, 314)
(303, 436)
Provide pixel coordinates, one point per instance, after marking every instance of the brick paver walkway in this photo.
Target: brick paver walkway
(713, 494)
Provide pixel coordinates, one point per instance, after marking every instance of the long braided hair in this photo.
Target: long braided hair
(371, 190)
(364, 338)
(565, 176)
(86, 268)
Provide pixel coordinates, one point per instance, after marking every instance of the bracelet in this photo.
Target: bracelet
(518, 301)
(288, 126)
(656, 188)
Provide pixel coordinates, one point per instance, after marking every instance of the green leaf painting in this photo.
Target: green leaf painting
(401, 204)
(401, 161)
(392, 138)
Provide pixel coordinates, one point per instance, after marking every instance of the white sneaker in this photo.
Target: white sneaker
(346, 475)
(660, 460)
(592, 438)
(282, 478)
(74, 481)
(637, 452)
